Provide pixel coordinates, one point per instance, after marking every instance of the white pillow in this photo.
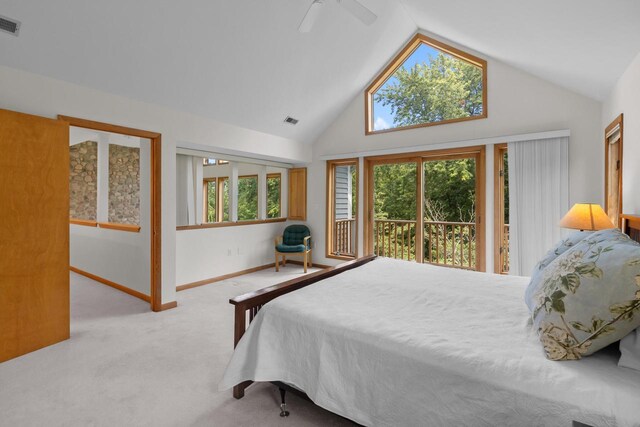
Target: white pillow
(630, 349)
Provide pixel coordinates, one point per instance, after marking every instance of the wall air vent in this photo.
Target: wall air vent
(291, 120)
(9, 25)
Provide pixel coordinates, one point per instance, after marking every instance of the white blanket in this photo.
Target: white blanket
(394, 343)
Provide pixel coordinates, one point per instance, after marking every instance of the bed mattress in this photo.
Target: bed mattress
(394, 343)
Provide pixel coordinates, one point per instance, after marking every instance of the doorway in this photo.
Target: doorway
(427, 207)
(613, 170)
(154, 141)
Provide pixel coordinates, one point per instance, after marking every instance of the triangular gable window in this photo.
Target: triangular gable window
(428, 83)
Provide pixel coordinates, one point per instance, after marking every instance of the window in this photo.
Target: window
(274, 195)
(248, 198)
(210, 198)
(342, 205)
(223, 199)
(208, 162)
(428, 83)
(427, 207)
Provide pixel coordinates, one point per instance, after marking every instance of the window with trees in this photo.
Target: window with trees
(274, 195)
(342, 207)
(247, 198)
(210, 202)
(428, 83)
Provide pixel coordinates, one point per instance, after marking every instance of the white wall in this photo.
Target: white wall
(624, 99)
(518, 103)
(211, 252)
(34, 94)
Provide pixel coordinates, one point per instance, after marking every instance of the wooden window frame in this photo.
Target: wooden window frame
(156, 199)
(498, 207)
(398, 60)
(618, 121)
(220, 199)
(205, 199)
(278, 176)
(478, 152)
(257, 218)
(330, 207)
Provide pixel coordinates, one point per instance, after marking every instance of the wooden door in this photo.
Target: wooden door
(298, 194)
(34, 233)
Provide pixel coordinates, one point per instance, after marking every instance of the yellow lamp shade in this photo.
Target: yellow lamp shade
(586, 216)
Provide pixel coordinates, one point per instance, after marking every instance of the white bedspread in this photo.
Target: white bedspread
(394, 343)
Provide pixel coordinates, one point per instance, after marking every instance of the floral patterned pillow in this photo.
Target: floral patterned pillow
(560, 248)
(589, 297)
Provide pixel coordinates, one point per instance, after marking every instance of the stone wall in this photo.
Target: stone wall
(83, 180)
(124, 184)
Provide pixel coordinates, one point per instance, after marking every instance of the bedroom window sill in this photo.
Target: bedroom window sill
(108, 225)
(229, 224)
(83, 222)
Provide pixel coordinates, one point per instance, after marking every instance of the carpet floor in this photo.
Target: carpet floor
(127, 366)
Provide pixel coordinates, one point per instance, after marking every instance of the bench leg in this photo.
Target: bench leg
(283, 405)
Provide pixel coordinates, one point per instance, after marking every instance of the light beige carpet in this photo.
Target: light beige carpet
(127, 366)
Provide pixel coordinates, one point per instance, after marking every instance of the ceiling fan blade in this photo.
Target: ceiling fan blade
(311, 16)
(360, 11)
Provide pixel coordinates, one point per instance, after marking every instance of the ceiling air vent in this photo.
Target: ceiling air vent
(9, 25)
(291, 120)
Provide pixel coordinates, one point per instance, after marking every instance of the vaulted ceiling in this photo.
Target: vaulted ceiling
(244, 61)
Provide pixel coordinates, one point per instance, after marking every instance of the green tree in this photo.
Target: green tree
(445, 88)
(247, 198)
(273, 197)
(211, 201)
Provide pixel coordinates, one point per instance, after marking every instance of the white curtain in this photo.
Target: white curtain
(538, 199)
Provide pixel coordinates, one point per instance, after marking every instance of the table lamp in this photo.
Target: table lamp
(586, 216)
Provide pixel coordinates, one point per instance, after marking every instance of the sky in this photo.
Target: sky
(383, 119)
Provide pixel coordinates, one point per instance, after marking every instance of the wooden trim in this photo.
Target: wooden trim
(121, 227)
(229, 224)
(84, 222)
(106, 127)
(330, 207)
(253, 301)
(156, 195)
(618, 121)
(168, 305)
(114, 285)
(294, 199)
(399, 59)
(631, 226)
(205, 199)
(223, 277)
(498, 206)
(477, 152)
(220, 198)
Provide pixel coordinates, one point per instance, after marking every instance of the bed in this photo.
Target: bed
(385, 342)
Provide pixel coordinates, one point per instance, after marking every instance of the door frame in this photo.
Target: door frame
(477, 152)
(618, 121)
(156, 205)
(498, 207)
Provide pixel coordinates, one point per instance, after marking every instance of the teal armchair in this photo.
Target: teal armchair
(295, 240)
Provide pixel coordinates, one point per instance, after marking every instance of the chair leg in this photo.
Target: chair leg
(277, 262)
(284, 260)
(310, 257)
(305, 262)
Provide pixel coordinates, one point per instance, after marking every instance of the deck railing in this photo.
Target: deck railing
(445, 243)
(504, 249)
(344, 237)
(450, 243)
(395, 238)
